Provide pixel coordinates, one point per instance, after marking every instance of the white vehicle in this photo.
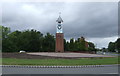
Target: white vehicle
(103, 53)
(22, 52)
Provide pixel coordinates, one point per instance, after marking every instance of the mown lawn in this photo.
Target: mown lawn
(50, 62)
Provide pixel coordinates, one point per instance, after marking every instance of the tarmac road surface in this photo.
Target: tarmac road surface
(108, 69)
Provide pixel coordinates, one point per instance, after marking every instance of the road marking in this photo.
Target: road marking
(81, 66)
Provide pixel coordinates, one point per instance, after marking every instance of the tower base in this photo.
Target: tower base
(59, 42)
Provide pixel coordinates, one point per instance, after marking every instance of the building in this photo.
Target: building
(86, 43)
(59, 35)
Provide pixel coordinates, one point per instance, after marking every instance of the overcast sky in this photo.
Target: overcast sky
(97, 22)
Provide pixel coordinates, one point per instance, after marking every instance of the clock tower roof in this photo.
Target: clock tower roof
(59, 20)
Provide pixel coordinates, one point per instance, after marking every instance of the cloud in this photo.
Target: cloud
(102, 42)
(89, 19)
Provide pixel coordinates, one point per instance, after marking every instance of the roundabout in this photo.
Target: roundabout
(68, 55)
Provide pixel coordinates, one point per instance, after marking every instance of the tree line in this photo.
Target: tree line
(114, 46)
(34, 41)
(79, 45)
(28, 40)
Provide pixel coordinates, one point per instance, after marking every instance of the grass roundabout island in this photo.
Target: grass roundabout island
(66, 60)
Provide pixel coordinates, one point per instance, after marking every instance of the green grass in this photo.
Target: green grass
(49, 62)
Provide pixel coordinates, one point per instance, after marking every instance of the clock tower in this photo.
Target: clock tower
(59, 35)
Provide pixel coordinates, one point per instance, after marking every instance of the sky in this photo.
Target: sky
(96, 21)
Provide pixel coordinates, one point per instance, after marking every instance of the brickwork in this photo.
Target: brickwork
(59, 42)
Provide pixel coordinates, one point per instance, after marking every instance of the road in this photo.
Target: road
(112, 69)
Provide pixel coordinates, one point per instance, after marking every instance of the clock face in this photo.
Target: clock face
(59, 27)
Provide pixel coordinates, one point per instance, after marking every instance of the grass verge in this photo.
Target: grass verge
(51, 62)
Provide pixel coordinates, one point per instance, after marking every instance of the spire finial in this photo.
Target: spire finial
(59, 13)
(59, 18)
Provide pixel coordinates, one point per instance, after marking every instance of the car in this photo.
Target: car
(21, 51)
(103, 53)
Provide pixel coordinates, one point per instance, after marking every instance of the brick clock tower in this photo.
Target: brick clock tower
(59, 35)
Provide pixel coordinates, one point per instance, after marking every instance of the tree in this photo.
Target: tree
(117, 44)
(65, 45)
(71, 45)
(111, 46)
(5, 32)
(76, 45)
(6, 43)
(31, 40)
(82, 45)
(14, 39)
(91, 47)
(49, 43)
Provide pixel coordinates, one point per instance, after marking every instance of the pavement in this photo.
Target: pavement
(69, 54)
